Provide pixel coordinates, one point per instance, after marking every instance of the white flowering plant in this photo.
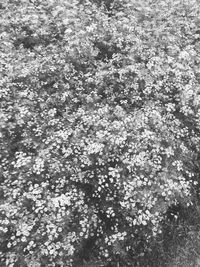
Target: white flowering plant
(99, 133)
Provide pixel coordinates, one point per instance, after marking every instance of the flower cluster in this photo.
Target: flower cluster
(99, 131)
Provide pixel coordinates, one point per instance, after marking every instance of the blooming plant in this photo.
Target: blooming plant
(99, 109)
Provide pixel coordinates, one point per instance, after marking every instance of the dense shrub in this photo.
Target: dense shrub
(99, 127)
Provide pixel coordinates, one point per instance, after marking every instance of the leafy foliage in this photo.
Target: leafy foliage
(99, 127)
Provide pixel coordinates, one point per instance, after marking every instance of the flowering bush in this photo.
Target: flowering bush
(99, 126)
